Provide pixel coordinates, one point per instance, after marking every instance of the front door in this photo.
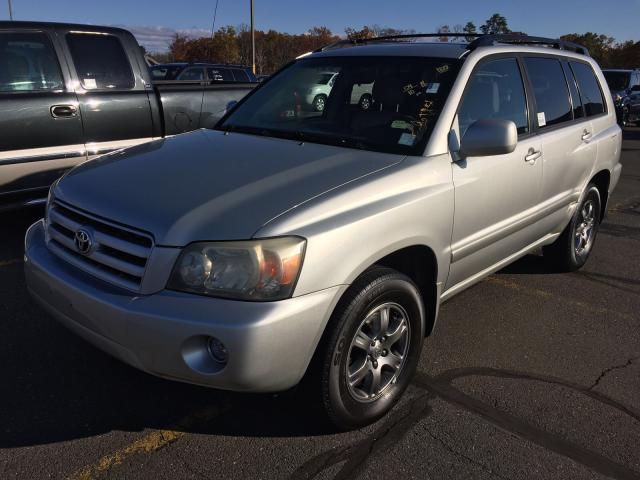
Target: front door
(495, 196)
(40, 125)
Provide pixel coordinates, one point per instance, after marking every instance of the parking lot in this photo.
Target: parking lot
(529, 374)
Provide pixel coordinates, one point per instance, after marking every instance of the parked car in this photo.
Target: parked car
(317, 94)
(287, 244)
(625, 89)
(61, 103)
(203, 72)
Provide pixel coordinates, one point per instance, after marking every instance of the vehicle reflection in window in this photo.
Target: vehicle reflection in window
(386, 104)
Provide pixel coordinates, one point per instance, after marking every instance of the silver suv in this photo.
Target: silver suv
(288, 243)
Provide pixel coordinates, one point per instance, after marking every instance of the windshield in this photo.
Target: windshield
(617, 80)
(387, 104)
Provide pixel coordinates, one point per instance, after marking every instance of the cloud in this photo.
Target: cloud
(157, 39)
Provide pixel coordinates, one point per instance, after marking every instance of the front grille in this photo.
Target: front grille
(118, 254)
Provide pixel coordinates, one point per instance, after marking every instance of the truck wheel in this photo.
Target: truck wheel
(365, 102)
(572, 248)
(373, 348)
(319, 102)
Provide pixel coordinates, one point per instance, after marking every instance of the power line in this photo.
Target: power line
(213, 25)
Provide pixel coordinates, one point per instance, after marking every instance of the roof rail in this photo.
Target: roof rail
(481, 40)
(350, 42)
(518, 39)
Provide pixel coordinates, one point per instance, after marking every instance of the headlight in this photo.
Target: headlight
(247, 270)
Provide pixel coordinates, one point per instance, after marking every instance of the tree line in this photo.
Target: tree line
(274, 49)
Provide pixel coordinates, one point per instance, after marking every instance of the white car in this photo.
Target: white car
(316, 96)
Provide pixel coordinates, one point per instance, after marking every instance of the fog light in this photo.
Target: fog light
(217, 350)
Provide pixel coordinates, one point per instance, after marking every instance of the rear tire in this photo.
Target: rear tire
(572, 248)
(319, 103)
(366, 362)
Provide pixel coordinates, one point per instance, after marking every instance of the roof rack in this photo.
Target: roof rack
(481, 40)
(350, 42)
(517, 39)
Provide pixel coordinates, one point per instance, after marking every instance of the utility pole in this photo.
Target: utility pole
(10, 11)
(253, 43)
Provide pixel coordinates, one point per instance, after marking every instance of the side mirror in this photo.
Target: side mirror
(489, 137)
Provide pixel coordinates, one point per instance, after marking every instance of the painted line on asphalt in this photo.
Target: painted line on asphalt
(549, 295)
(149, 443)
(11, 261)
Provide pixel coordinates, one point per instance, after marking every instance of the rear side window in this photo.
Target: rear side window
(100, 61)
(550, 91)
(578, 111)
(589, 89)
(495, 90)
(240, 75)
(28, 63)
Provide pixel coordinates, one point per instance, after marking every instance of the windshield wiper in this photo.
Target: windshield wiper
(302, 136)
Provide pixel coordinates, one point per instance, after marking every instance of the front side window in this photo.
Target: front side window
(101, 62)
(28, 63)
(192, 74)
(406, 97)
(240, 75)
(495, 91)
(165, 72)
(589, 88)
(549, 90)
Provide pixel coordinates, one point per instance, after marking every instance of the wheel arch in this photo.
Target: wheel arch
(602, 180)
(420, 264)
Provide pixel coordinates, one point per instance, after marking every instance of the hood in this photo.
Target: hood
(208, 185)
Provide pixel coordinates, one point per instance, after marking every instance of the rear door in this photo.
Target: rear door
(567, 135)
(496, 197)
(41, 130)
(114, 100)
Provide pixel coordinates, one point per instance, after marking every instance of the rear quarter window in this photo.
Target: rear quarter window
(550, 91)
(590, 90)
(100, 61)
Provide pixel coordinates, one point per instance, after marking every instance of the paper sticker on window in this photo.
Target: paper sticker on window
(401, 124)
(407, 139)
(89, 83)
(432, 88)
(542, 120)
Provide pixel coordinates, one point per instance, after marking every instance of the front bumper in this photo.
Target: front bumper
(270, 344)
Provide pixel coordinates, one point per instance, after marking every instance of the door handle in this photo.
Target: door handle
(58, 111)
(586, 135)
(532, 156)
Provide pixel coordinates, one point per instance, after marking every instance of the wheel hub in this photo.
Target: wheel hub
(378, 352)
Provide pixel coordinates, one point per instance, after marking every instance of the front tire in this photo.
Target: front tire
(372, 349)
(572, 248)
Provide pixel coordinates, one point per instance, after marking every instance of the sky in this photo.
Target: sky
(155, 21)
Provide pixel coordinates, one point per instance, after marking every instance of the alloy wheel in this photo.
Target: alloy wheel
(378, 352)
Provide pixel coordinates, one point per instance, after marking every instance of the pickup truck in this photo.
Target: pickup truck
(71, 92)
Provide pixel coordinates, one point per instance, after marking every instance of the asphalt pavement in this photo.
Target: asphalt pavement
(529, 374)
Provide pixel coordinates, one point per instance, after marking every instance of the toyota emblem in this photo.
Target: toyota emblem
(83, 241)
